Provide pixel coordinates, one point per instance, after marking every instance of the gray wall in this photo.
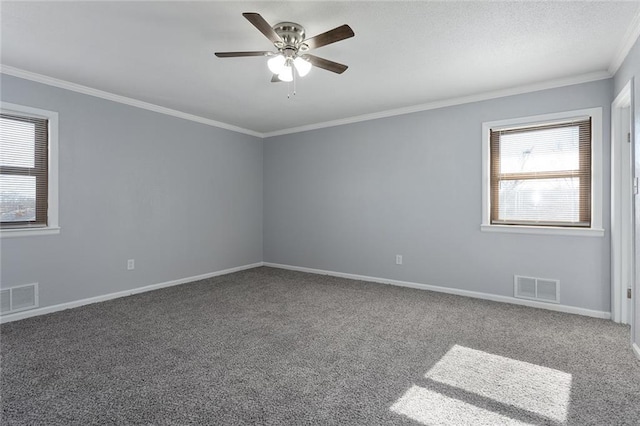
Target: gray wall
(349, 198)
(345, 199)
(181, 198)
(630, 70)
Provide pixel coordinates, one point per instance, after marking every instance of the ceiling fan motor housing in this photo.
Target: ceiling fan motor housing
(292, 36)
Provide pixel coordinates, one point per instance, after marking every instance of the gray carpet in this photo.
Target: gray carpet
(268, 346)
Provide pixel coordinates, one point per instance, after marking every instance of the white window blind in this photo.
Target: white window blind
(541, 174)
(23, 171)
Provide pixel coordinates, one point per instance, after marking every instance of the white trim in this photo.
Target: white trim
(543, 230)
(597, 180)
(629, 39)
(110, 296)
(620, 240)
(623, 98)
(448, 290)
(636, 350)
(39, 78)
(551, 84)
(474, 294)
(52, 190)
(29, 232)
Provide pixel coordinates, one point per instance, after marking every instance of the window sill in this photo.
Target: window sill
(29, 232)
(543, 230)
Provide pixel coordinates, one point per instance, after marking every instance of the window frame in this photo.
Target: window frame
(595, 230)
(52, 226)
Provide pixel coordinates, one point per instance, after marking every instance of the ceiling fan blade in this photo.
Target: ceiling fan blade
(326, 64)
(239, 54)
(275, 79)
(263, 26)
(340, 33)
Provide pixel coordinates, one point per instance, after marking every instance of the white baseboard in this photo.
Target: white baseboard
(636, 350)
(478, 295)
(459, 292)
(76, 303)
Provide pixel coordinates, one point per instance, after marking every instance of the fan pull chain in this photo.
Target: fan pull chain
(294, 80)
(289, 85)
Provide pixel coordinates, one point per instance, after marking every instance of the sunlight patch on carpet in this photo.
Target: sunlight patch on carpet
(432, 408)
(541, 390)
(520, 388)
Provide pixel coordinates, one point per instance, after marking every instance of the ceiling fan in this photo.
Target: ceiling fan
(291, 44)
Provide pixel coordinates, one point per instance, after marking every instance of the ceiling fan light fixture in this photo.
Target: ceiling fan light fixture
(276, 64)
(302, 66)
(286, 74)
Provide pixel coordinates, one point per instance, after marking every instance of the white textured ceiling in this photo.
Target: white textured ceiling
(403, 54)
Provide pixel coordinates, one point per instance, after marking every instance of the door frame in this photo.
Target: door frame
(622, 241)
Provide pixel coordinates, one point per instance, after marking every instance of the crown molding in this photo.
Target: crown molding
(551, 84)
(629, 39)
(39, 78)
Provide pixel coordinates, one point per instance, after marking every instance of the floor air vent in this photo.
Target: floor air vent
(541, 289)
(18, 298)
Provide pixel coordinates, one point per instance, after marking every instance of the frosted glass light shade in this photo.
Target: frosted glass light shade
(276, 64)
(303, 67)
(286, 74)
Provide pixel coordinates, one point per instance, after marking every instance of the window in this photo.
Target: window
(543, 174)
(28, 171)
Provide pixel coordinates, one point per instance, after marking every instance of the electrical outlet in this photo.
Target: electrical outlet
(398, 259)
(131, 264)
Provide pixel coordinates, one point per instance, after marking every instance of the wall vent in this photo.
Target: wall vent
(18, 298)
(541, 289)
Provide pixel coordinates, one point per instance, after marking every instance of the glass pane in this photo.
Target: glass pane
(540, 150)
(540, 200)
(17, 143)
(17, 198)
